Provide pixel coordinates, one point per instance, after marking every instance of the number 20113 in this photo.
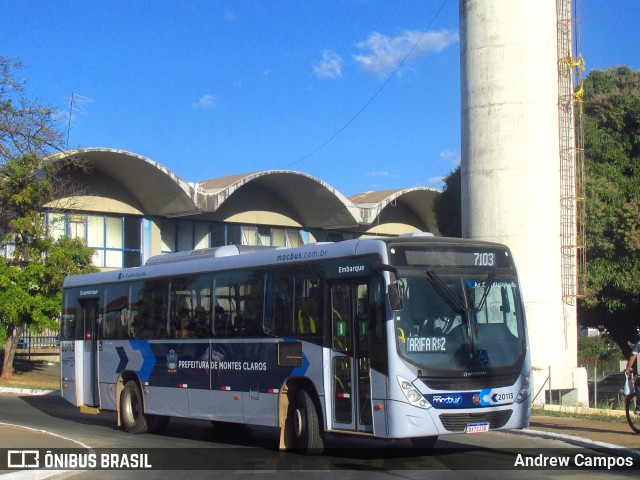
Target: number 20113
(484, 259)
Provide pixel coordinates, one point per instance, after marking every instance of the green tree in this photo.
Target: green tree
(31, 278)
(447, 206)
(598, 352)
(32, 273)
(612, 165)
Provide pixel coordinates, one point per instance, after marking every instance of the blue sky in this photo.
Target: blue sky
(216, 88)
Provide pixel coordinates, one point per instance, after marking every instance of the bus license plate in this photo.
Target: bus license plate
(477, 428)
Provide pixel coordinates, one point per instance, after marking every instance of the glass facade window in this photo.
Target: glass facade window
(56, 225)
(252, 235)
(218, 234)
(77, 226)
(182, 235)
(293, 238)
(116, 240)
(9, 248)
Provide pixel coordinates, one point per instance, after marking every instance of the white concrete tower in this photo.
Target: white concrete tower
(511, 161)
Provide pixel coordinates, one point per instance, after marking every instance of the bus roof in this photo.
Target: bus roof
(241, 256)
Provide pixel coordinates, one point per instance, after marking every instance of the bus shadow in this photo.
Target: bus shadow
(234, 439)
(53, 405)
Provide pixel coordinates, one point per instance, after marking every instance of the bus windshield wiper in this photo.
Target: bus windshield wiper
(488, 283)
(445, 292)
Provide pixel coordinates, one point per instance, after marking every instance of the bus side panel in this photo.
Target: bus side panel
(379, 396)
(79, 371)
(173, 402)
(108, 361)
(115, 357)
(259, 408)
(68, 371)
(107, 396)
(106, 374)
(223, 406)
(313, 367)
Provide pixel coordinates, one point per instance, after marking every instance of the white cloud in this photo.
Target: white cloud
(385, 53)
(447, 154)
(206, 102)
(330, 66)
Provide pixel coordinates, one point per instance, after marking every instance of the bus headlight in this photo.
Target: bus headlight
(411, 393)
(525, 390)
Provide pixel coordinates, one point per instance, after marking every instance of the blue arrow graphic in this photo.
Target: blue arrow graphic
(123, 359)
(148, 358)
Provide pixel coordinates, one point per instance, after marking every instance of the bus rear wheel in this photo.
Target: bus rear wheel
(307, 425)
(132, 409)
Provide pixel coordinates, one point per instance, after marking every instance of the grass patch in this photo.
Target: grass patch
(33, 374)
(595, 415)
(31, 380)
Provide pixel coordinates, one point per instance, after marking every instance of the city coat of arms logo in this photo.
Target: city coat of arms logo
(172, 361)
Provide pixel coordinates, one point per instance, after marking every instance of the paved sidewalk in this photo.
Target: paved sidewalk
(575, 430)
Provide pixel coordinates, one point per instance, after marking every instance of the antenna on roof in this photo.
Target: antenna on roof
(75, 104)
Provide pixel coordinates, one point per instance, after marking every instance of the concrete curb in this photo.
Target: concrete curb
(581, 442)
(29, 391)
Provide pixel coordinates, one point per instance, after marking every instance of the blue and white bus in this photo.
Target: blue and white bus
(406, 337)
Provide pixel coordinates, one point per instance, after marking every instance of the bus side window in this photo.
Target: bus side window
(114, 324)
(72, 317)
(149, 306)
(340, 315)
(220, 318)
(283, 304)
(224, 306)
(379, 355)
(308, 305)
(249, 318)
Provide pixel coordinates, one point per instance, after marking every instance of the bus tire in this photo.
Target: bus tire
(132, 409)
(307, 425)
(424, 442)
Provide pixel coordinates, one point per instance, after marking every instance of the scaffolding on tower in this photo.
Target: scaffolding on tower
(572, 200)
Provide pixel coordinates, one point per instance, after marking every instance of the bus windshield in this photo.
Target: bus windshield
(460, 322)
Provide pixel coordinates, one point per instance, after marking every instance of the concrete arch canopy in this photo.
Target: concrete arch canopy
(124, 182)
(154, 189)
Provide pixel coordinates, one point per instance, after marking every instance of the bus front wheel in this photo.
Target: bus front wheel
(307, 425)
(132, 409)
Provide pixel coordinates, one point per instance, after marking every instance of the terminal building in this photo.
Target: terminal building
(129, 208)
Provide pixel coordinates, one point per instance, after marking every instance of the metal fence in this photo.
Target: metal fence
(605, 390)
(48, 339)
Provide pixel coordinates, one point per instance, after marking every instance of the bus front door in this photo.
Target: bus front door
(350, 362)
(90, 353)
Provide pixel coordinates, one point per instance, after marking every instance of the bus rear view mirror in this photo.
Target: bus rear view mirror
(395, 289)
(395, 297)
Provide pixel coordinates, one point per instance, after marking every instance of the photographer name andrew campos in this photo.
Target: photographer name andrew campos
(577, 460)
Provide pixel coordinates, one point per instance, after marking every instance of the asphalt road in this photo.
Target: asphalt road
(197, 449)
